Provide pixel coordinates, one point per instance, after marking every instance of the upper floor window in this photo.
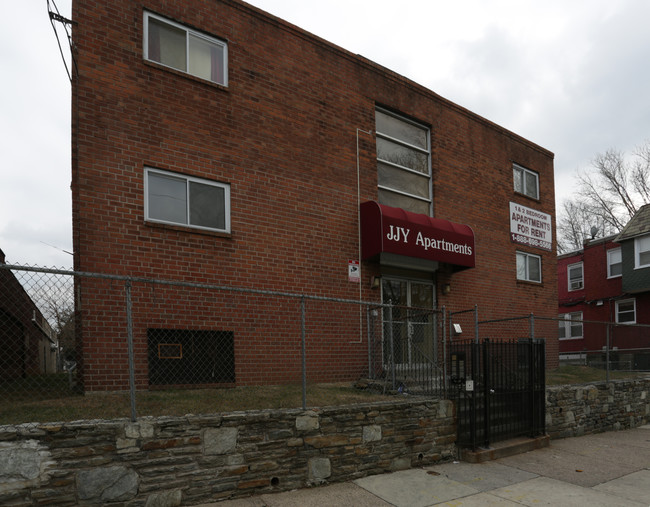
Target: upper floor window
(575, 276)
(182, 200)
(526, 181)
(626, 311)
(181, 48)
(614, 263)
(570, 326)
(529, 267)
(642, 252)
(403, 163)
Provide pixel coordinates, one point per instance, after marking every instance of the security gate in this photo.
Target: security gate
(499, 387)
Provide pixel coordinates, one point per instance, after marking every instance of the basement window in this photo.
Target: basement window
(190, 357)
(178, 47)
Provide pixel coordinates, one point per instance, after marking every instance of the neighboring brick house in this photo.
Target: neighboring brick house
(26, 338)
(294, 151)
(607, 281)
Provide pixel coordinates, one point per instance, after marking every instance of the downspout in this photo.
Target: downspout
(369, 132)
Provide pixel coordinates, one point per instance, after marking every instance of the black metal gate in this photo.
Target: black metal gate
(499, 387)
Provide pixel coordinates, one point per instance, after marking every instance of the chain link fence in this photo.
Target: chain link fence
(614, 349)
(92, 346)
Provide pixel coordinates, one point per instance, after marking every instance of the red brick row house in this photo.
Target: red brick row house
(608, 281)
(215, 143)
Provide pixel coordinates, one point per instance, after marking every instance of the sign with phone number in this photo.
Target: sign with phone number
(530, 227)
(537, 243)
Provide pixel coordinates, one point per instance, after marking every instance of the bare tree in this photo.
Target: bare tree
(607, 196)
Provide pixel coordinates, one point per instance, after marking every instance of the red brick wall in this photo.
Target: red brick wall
(597, 302)
(283, 135)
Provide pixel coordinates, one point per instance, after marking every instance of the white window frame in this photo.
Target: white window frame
(188, 180)
(406, 170)
(569, 321)
(519, 174)
(576, 284)
(625, 301)
(188, 34)
(641, 246)
(526, 256)
(610, 263)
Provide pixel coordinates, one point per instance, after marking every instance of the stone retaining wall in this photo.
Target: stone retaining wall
(575, 410)
(171, 461)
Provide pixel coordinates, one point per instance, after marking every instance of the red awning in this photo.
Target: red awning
(400, 232)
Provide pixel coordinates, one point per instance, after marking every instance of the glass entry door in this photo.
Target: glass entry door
(412, 340)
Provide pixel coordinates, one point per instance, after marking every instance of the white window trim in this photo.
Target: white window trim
(637, 261)
(617, 311)
(225, 186)
(524, 171)
(189, 31)
(610, 252)
(528, 279)
(566, 319)
(582, 278)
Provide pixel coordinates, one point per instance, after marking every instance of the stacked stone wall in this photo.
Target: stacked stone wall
(171, 461)
(575, 410)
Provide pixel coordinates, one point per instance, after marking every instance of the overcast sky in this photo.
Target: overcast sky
(569, 75)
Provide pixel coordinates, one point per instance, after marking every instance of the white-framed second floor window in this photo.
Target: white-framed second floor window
(614, 263)
(642, 252)
(181, 48)
(575, 276)
(529, 267)
(570, 326)
(176, 199)
(403, 163)
(626, 311)
(526, 181)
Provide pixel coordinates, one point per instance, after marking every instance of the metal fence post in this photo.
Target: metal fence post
(392, 344)
(476, 338)
(304, 352)
(444, 352)
(487, 389)
(129, 332)
(368, 327)
(607, 353)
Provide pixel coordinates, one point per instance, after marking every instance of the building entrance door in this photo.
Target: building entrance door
(412, 340)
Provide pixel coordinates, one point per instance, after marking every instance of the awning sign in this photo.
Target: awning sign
(530, 227)
(385, 229)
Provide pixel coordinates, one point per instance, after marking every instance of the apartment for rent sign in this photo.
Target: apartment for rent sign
(530, 227)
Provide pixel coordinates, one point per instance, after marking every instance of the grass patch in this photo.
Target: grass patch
(179, 402)
(585, 374)
(51, 399)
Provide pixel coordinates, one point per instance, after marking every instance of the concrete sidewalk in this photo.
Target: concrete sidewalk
(606, 469)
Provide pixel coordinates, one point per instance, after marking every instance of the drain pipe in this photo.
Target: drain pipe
(369, 132)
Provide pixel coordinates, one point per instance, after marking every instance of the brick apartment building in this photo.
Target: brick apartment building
(608, 281)
(214, 143)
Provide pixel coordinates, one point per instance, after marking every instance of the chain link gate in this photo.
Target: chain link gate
(499, 388)
(406, 349)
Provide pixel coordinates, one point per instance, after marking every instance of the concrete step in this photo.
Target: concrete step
(504, 448)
